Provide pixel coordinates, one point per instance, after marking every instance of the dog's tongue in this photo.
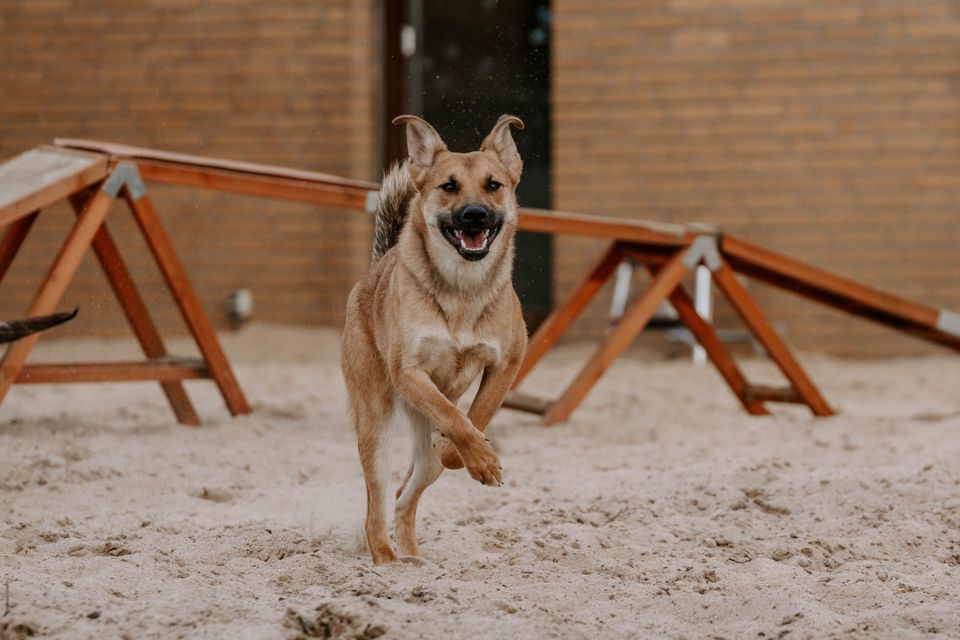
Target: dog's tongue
(473, 241)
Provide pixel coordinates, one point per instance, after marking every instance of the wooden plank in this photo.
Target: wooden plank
(526, 402)
(755, 320)
(836, 291)
(753, 258)
(563, 316)
(236, 177)
(325, 189)
(13, 240)
(255, 185)
(138, 315)
(645, 232)
(39, 177)
(167, 370)
(55, 283)
(128, 152)
(346, 196)
(186, 298)
(619, 338)
(761, 393)
(354, 198)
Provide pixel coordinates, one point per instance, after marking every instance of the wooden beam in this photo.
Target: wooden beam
(55, 283)
(650, 233)
(167, 370)
(255, 185)
(189, 304)
(836, 291)
(755, 320)
(761, 393)
(136, 154)
(526, 402)
(246, 178)
(619, 338)
(13, 240)
(705, 334)
(37, 178)
(560, 318)
(137, 315)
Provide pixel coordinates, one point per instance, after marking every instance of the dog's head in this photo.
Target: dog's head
(467, 205)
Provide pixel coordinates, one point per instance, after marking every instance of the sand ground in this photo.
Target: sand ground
(660, 510)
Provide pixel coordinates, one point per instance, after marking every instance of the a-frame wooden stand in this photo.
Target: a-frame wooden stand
(668, 265)
(43, 176)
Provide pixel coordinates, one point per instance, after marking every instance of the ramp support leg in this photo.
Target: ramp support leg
(619, 338)
(776, 348)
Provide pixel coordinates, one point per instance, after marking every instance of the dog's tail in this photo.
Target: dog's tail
(16, 329)
(395, 194)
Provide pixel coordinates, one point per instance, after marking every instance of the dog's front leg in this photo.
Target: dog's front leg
(416, 387)
(493, 387)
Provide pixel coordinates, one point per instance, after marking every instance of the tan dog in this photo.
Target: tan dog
(436, 311)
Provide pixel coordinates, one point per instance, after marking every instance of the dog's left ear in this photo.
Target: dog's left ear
(423, 145)
(501, 143)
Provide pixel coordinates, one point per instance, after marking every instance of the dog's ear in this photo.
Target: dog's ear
(423, 145)
(501, 143)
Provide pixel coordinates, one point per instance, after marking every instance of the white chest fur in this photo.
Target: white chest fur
(454, 361)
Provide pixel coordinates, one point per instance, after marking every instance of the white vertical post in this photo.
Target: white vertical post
(703, 303)
(621, 289)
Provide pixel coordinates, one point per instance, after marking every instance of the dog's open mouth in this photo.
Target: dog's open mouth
(472, 244)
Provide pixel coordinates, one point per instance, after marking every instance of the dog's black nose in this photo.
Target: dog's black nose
(474, 214)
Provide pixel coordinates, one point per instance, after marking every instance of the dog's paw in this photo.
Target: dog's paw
(448, 454)
(445, 450)
(482, 463)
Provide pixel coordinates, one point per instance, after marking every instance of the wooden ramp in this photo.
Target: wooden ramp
(91, 182)
(669, 252)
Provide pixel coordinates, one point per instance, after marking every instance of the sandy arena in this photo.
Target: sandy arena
(660, 510)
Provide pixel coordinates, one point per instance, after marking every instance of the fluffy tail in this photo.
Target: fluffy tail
(395, 194)
(16, 329)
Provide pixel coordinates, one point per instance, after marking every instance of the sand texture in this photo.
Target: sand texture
(660, 510)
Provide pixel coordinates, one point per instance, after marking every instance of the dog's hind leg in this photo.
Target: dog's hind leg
(424, 471)
(373, 442)
(406, 479)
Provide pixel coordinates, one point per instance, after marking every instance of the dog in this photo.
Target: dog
(436, 311)
(13, 330)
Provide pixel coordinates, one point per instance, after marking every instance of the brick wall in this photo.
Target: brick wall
(827, 130)
(282, 82)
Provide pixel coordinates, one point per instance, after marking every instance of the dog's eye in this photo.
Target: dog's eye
(493, 185)
(450, 187)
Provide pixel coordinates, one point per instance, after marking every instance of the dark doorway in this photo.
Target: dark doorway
(460, 66)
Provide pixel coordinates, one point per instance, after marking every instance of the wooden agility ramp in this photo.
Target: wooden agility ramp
(670, 257)
(91, 182)
(669, 252)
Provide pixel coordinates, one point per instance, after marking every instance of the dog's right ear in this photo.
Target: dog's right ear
(423, 145)
(500, 142)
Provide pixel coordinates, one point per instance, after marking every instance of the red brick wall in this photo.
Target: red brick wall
(282, 82)
(827, 130)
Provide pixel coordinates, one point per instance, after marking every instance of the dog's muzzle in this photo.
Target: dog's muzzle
(471, 229)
